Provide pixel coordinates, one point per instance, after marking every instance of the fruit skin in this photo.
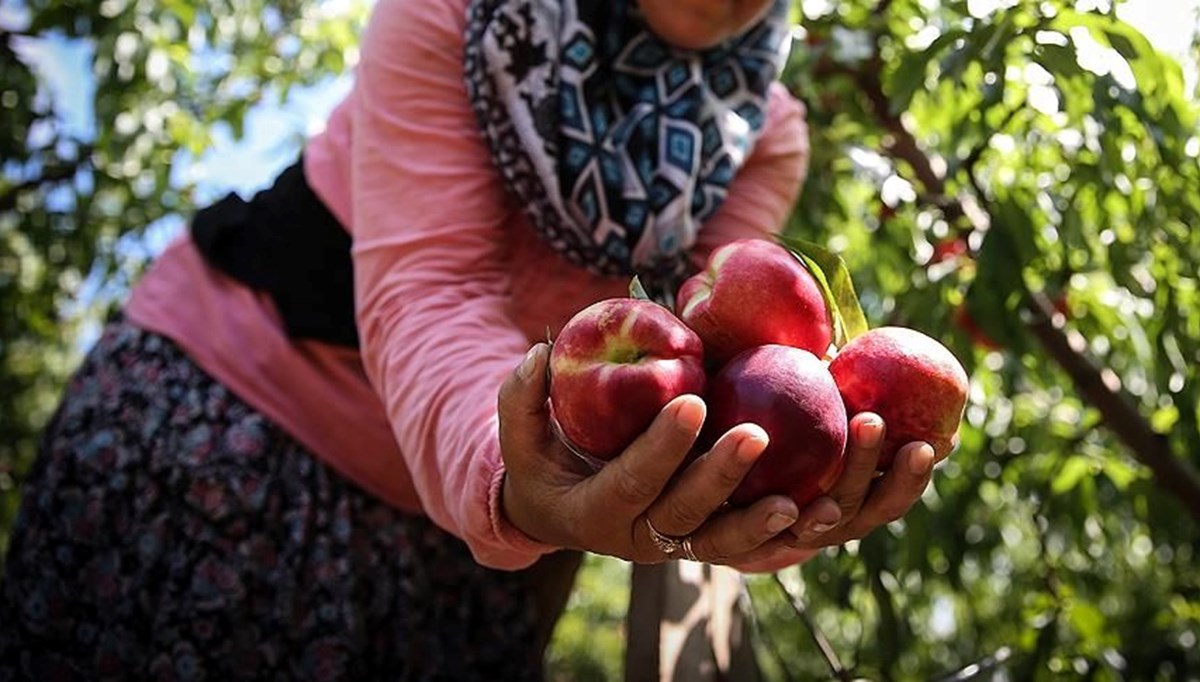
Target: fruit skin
(791, 395)
(614, 366)
(753, 292)
(910, 380)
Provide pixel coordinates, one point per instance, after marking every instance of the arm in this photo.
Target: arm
(431, 290)
(431, 277)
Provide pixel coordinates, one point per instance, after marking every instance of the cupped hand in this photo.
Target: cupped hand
(862, 499)
(700, 24)
(554, 497)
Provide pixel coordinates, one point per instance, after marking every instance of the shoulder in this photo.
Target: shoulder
(784, 110)
(416, 28)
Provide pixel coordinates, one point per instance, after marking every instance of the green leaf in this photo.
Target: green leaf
(910, 75)
(833, 276)
(1059, 60)
(1074, 470)
(1120, 473)
(1123, 44)
(978, 41)
(1087, 620)
(1164, 419)
(636, 290)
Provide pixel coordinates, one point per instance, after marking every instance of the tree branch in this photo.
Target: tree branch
(972, 159)
(1103, 390)
(1094, 384)
(836, 669)
(981, 668)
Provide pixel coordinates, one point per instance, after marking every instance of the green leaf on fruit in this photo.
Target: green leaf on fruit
(833, 277)
(636, 290)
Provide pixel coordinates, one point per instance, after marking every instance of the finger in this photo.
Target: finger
(816, 519)
(522, 408)
(862, 457)
(733, 535)
(628, 484)
(709, 481)
(896, 491)
(773, 555)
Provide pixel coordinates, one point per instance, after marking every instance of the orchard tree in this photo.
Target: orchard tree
(165, 77)
(1021, 182)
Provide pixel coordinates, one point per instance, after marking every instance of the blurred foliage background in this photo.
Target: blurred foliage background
(1017, 178)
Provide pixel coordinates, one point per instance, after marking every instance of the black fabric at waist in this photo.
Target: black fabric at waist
(285, 242)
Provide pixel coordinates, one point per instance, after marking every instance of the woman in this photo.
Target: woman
(304, 451)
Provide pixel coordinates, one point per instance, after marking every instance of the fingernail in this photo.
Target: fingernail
(921, 461)
(822, 527)
(870, 432)
(755, 442)
(690, 415)
(525, 371)
(777, 522)
(827, 515)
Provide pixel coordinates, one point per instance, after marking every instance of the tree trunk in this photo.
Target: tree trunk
(688, 621)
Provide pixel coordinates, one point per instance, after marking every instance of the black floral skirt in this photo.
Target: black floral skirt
(169, 531)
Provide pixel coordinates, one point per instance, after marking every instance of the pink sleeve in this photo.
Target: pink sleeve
(431, 277)
(763, 193)
(430, 260)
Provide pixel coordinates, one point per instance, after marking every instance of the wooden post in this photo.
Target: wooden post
(687, 621)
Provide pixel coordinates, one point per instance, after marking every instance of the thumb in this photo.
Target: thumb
(522, 406)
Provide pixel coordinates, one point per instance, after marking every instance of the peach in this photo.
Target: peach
(910, 380)
(613, 367)
(754, 292)
(791, 395)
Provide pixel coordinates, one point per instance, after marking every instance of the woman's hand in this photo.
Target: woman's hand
(861, 500)
(552, 496)
(700, 24)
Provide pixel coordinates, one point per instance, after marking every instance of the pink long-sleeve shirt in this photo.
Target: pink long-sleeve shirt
(452, 285)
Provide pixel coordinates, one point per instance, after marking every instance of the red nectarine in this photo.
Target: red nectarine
(613, 367)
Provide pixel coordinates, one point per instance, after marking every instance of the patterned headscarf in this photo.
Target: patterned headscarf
(617, 144)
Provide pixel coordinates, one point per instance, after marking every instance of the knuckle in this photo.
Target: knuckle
(891, 512)
(681, 517)
(850, 507)
(504, 398)
(709, 550)
(730, 475)
(631, 489)
(861, 463)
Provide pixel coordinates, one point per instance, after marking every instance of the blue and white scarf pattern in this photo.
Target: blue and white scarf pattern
(617, 145)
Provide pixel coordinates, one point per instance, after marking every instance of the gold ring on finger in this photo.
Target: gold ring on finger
(686, 546)
(669, 544)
